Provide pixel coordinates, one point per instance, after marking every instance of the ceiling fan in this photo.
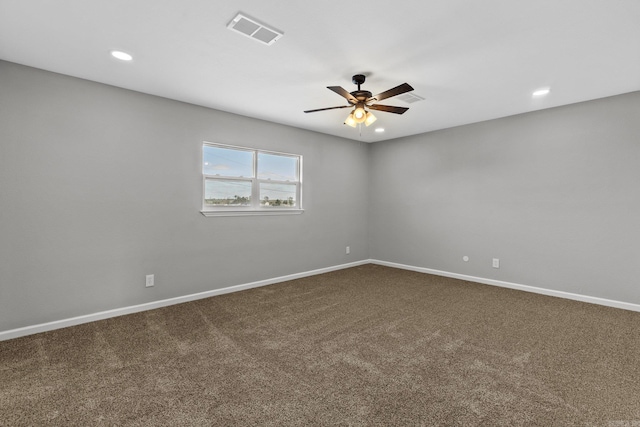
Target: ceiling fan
(363, 101)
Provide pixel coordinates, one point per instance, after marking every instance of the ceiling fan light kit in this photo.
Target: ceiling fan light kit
(353, 119)
(359, 114)
(370, 119)
(350, 121)
(362, 101)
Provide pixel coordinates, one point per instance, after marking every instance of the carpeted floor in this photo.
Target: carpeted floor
(369, 345)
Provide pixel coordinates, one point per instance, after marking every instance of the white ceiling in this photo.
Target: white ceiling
(470, 60)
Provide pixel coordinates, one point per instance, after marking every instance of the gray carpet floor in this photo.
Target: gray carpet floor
(365, 346)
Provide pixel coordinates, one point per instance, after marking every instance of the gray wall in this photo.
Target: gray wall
(553, 194)
(100, 186)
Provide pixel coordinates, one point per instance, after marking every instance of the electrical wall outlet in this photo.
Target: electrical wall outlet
(496, 263)
(348, 250)
(150, 280)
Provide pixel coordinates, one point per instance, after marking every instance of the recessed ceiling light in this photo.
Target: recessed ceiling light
(122, 56)
(541, 92)
(379, 130)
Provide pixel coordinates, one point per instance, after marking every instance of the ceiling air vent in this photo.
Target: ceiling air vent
(254, 29)
(410, 98)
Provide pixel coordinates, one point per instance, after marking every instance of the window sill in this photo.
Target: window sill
(262, 212)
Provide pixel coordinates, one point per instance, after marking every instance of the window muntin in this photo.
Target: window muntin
(240, 179)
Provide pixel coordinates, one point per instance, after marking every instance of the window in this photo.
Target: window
(245, 181)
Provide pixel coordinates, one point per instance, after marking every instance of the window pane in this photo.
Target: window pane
(227, 193)
(278, 168)
(227, 162)
(283, 195)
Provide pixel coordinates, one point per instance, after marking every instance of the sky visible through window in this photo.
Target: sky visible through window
(237, 163)
(226, 162)
(278, 168)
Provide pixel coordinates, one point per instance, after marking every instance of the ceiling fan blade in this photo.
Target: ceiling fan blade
(343, 92)
(404, 87)
(388, 108)
(329, 108)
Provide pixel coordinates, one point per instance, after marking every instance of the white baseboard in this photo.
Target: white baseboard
(58, 324)
(543, 291)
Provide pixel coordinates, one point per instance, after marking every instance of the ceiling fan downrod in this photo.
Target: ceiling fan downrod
(358, 79)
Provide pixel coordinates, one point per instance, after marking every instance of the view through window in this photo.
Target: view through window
(246, 179)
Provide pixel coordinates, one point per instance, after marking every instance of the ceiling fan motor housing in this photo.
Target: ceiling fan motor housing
(360, 95)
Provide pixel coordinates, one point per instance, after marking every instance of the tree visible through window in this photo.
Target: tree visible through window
(250, 179)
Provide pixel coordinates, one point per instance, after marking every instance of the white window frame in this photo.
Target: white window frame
(256, 208)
